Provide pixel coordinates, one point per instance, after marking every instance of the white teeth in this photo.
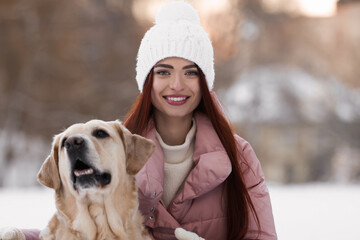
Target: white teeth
(79, 173)
(176, 99)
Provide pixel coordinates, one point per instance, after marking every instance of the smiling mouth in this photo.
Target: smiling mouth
(175, 100)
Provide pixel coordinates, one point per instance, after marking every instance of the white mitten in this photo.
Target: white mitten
(11, 233)
(182, 234)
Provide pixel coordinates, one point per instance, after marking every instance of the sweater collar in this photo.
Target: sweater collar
(177, 154)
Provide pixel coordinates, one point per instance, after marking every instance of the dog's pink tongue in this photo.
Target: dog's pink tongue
(83, 172)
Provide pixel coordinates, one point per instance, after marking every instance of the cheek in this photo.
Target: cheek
(118, 169)
(155, 94)
(157, 86)
(198, 99)
(195, 86)
(113, 158)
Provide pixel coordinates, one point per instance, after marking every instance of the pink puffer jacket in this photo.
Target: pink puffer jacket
(199, 205)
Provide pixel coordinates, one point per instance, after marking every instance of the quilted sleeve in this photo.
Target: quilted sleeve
(31, 234)
(259, 193)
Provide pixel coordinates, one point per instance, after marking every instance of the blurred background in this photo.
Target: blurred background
(287, 73)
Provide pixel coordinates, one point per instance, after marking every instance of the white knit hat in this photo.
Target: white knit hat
(177, 33)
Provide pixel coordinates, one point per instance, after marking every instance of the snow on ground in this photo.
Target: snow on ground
(310, 211)
(320, 211)
(26, 208)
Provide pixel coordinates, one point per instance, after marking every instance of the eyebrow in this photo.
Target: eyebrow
(189, 66)
(171, 67)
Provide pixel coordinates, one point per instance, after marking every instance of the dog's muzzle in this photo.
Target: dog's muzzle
(83, 173)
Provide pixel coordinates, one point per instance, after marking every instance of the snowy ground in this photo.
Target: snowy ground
(314, 211)
(321, 212)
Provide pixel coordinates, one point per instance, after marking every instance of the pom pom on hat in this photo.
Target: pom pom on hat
(177, 33)
(177, 11)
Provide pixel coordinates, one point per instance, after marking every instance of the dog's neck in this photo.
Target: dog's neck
(91, 221)
(104, 217)
(100, 217)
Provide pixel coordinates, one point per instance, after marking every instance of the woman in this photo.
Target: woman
(202, 177)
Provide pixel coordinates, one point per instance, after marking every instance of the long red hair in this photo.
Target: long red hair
(239, 204)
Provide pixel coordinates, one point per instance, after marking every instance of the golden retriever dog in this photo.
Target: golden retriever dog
(91, 167)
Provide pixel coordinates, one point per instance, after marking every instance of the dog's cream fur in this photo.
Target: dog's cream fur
(108, 212)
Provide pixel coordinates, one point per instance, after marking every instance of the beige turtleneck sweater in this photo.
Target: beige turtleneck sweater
(178, 162)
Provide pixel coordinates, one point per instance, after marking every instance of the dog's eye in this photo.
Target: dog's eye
(63, 142)
(99, 133)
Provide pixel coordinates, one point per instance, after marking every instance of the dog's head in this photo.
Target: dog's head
(94, 155)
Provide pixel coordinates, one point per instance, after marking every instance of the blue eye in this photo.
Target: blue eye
(192, 73)
(162, 72)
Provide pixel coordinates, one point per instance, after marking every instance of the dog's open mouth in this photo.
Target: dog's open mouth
(86, 176)
(81, 169)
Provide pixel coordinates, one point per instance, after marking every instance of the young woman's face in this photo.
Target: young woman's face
(176, 89)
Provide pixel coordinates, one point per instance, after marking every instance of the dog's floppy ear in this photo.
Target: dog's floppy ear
(49, 172)
(137, 149)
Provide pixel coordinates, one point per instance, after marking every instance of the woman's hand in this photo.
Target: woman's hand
(182, 234)
(11, 233)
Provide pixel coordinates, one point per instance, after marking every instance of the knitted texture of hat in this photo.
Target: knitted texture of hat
(177, 33)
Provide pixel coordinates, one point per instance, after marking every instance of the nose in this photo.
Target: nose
(74, 142)
(177, 83)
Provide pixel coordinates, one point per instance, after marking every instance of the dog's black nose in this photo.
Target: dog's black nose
(75, 142)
